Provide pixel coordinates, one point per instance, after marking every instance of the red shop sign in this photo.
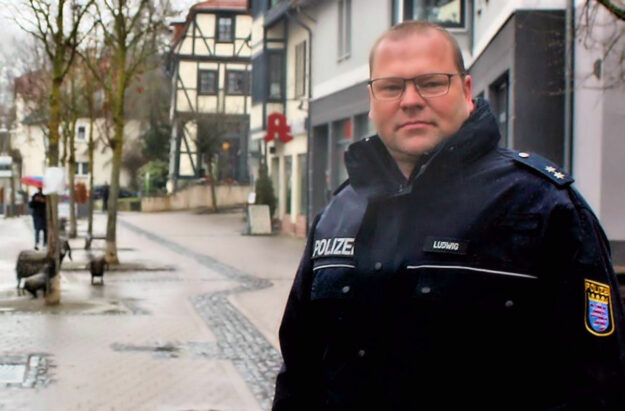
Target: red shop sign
(278, 127)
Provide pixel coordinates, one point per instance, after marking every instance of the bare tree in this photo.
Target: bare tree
(130, 30)
(618, 10)
(71, 110)
(601, 27)
(132, 161)
(56, 24)
(210, 132)
(90, 90)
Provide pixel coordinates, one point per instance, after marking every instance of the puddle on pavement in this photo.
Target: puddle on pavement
(125, 267)
(166, 350)
(70, 305)
(173, 349)
(76, 299)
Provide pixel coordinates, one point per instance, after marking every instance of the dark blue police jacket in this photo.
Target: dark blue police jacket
(482, 281)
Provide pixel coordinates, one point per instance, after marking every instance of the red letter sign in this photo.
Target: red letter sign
(276, 125)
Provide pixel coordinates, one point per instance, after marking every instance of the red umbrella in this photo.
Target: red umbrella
(36, 181)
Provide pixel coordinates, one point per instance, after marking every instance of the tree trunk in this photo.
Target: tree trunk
(213, 185)
(53, 296)
(11, 210)
(90, 148)
(111, 223)
(72, 186)
(118, 142)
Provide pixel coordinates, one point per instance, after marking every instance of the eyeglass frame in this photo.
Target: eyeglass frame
(413, 80)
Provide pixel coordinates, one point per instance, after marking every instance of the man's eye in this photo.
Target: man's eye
(391, 87)
(432, 84)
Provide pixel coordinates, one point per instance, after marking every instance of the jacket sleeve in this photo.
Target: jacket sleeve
(297, 384)
(588, 310)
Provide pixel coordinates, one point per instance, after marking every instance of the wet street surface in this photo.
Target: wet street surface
(188, 321)
(237, 339)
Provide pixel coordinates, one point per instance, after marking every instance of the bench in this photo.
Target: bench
(91, 237)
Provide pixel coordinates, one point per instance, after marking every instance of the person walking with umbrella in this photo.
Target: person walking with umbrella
(38, 206)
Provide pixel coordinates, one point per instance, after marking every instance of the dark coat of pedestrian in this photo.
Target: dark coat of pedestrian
(449, 273)
(37, 205)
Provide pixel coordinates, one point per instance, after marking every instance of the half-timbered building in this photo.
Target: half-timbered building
(210, 71)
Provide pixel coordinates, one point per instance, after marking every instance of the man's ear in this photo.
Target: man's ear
(467, 86)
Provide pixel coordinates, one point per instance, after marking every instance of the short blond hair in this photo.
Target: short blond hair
(410, 27)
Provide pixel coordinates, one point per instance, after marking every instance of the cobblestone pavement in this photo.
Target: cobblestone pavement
(237, 339)
(174, 339)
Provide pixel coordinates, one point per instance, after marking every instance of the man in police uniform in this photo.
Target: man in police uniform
(449, 273)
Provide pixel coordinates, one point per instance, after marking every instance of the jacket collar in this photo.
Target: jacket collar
(374, 173)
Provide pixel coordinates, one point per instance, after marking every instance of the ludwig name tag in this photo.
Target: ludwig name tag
(445, 245)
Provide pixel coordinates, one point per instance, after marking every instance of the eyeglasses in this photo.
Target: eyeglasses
(427, 85)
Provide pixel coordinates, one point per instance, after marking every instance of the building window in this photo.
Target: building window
(300, 69)
(207, 82)
(259, 78)
(82, 169)
(237, 82)
(447, 13)
(276, 76)
(345, 29)
(225, 29)
(81, 133)
(498, 93)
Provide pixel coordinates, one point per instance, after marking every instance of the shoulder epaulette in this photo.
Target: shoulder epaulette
(544, 167)
(341, 187)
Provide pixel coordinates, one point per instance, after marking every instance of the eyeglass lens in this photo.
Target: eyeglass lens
(428, 85)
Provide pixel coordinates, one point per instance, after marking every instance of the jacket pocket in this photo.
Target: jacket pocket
(475, 303)
(332, 281)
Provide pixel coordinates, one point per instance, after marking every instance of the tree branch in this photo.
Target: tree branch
(613, 8)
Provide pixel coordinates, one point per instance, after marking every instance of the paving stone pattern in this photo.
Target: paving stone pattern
(238, 340)
(24, 370)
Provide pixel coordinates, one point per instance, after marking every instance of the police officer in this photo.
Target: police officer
(449, 273)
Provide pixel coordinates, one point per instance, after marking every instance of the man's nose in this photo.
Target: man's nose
(411, 96)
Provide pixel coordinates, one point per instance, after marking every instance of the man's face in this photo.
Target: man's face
(412, 125)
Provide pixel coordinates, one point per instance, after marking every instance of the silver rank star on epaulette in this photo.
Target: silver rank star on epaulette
(544, 167)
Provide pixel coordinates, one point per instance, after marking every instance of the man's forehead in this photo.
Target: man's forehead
(427, 40)
(422, 37)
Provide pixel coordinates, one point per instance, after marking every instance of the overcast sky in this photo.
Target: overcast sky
(11, 32)
(12, 36)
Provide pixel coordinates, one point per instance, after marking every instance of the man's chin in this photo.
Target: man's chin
(418, 145)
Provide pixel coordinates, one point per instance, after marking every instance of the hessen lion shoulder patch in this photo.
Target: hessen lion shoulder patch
(598, 314)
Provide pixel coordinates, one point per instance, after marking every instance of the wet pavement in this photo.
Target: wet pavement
(189, 323)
